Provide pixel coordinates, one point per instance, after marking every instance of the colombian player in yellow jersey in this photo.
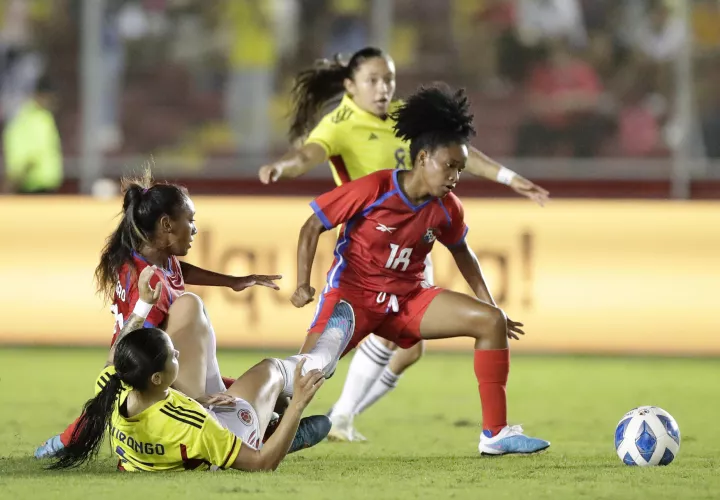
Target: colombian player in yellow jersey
(156, 428)
(357, 139)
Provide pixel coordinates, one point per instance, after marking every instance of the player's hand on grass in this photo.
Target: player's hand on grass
(269, 174)
(242, 282)
(303, 295)
(305, 386)
(513, 329)
(147, 293)
(218, 399)
(529, 189)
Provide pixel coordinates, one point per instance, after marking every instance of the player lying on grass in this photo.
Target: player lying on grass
(154, 427)
(390, 221)
(357, 139)
(157, 227)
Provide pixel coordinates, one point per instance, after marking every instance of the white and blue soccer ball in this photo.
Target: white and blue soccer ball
(647, 435)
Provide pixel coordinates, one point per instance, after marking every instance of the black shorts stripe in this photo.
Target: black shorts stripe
(180, 413)
(232, 449)
(173, 416)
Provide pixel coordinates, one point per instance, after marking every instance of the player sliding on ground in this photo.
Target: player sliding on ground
(390, 221)
(357, 138)
(156, 428)
(157, 227)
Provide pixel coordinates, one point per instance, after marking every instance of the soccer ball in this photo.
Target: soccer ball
(647, 435)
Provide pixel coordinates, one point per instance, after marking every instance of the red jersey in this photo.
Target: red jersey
(385, 238)
(126, 291)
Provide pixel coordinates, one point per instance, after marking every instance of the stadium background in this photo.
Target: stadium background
(623, 261)
(184, 82)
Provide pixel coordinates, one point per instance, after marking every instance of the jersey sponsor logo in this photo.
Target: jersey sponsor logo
(430, 235)
(372, 137)
(342, 114)
(384, 229)
(245, 416)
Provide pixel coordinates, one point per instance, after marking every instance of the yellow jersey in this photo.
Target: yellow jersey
(359, 143)
(174, 434)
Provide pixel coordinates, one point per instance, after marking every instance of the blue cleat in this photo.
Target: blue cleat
(338, 331)
(50, 448)
(310, 432)
(510, 440)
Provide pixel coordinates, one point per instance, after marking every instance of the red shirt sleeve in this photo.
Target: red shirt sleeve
(342, 203)
(456, 231)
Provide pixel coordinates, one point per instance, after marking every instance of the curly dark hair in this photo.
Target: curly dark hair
(434, 116)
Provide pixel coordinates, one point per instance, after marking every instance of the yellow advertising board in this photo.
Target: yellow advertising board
(584, 276)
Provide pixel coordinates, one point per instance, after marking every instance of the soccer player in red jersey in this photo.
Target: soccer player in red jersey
(390, 221)
(156, 228)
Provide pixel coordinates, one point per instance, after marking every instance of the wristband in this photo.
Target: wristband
(505, 176)
(142, 309)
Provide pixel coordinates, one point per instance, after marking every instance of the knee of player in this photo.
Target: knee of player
(489, 323)
(275, 370)
(416, 352)
(187, 304)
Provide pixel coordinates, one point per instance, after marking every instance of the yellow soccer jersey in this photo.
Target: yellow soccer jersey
(359, 143)
(172, 435)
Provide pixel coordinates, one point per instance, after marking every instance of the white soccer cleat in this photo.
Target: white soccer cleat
(510, 440)
(343, 430)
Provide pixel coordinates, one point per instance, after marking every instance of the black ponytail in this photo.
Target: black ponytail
(315, 86)
(90, 429)
(138, 356)
(144, 202)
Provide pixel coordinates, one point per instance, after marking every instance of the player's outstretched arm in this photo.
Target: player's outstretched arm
(276, 448)
(294, 164)
(307, 246)
(469, 267)
(194, 275)
(481, 165)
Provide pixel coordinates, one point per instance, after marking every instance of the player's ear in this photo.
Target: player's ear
(165, 224)
(156, 378)
(350, 87)
(422, 158)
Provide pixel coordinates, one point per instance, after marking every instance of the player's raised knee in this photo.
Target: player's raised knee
(188, 303)
(488, 323)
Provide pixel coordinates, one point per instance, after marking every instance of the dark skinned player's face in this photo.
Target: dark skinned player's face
(441, 168)
(180, 230)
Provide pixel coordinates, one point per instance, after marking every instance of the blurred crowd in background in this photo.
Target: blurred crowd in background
(192, 80)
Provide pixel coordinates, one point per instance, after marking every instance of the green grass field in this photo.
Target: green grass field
(423, 437)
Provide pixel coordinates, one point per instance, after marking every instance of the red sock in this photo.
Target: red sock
(228, 382)
(491, 369)
(66, 435)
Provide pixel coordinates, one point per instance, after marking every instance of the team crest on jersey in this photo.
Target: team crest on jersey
(430, 235)
(245, 416)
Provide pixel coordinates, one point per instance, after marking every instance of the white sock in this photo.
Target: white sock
(366, 366)
(213, 379)
(386, 383)
(319, 356)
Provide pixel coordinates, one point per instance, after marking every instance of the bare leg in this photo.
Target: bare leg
(453, 314)
(260, 386)
(192, 334)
